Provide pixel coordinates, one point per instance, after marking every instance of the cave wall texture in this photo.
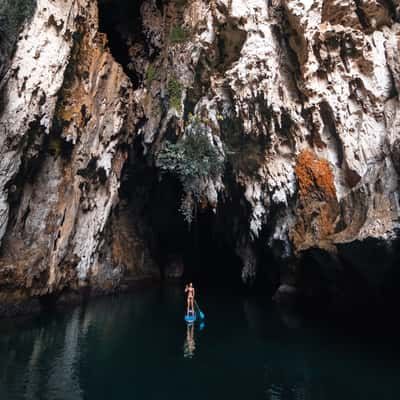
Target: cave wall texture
(300, 98)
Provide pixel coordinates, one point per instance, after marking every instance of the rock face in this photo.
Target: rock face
(299, 98)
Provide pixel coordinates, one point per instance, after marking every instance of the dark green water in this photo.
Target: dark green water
(138, 347)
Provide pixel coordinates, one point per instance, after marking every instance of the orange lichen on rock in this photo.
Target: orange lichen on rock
(314, 176)
(317, 209)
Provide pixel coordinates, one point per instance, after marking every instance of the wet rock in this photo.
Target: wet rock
(286, 295)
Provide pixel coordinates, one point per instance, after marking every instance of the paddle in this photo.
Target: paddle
(202, 316)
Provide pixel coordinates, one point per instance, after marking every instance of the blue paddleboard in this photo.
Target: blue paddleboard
(190, 318)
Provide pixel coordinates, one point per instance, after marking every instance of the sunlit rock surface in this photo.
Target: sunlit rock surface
(300, 97)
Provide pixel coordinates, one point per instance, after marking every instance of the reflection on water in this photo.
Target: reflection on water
(41, 361)
(190, 345)
(130, 347)
(281, 385)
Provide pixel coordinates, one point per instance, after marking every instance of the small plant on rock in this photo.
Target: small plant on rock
(193, 160)
(175, 94)
(151, 74)
(179, 34)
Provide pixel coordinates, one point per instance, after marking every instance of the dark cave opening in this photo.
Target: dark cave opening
(121, 21)
(210, 254)
(359, 281)
(206, 249)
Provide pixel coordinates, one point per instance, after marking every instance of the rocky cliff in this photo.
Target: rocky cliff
(136, 135)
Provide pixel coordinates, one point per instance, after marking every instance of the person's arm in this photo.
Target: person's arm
(186, 288)
(194, 292)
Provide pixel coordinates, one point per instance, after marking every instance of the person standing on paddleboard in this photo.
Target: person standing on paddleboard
(190, 298)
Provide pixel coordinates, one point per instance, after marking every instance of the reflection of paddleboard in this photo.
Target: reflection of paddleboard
(190, 318)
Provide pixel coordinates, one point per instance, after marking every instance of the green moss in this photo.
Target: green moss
(175, 94)
(55, 146)
(179, 34)
(151, 74)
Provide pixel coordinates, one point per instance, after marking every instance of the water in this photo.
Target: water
(138, 347)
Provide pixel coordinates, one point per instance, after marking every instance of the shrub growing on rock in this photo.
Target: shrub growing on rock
(193, 160)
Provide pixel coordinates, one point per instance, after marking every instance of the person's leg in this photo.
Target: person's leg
(187, 307)
(191, 332)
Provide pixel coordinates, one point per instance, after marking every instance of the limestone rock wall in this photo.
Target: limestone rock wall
(299, 97)
(69, 110)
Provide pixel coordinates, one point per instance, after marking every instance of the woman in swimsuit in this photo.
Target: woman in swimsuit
(190, 298)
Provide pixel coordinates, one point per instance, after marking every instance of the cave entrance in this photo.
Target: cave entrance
(204, 248)
(203, 253)
(121, 21)
(210, 254)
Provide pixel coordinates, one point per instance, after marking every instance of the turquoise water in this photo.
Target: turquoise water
(137, 346)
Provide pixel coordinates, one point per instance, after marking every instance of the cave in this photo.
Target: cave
(148, 144)
(206, 247)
